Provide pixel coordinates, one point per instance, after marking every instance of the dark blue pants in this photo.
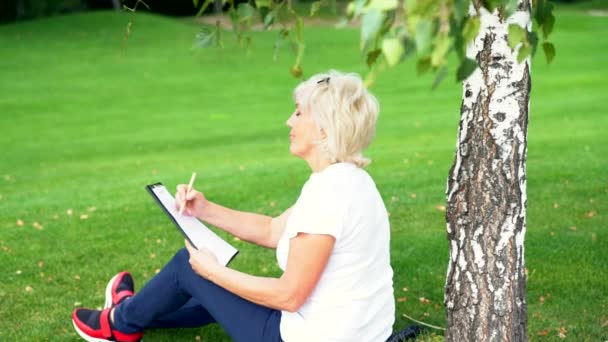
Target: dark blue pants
(178, 297)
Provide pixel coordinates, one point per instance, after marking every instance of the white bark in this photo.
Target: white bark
(486, 193)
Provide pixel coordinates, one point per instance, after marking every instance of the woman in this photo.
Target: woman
(332, 245)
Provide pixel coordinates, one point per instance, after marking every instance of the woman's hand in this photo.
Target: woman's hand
(195, 201)
(203, 262)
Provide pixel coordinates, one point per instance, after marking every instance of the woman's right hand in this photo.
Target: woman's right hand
(195, 201)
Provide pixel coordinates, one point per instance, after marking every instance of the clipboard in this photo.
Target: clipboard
(194, 230)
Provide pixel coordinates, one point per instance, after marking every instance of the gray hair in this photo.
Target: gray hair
(345, 110)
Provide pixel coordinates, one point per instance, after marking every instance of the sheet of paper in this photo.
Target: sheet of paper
(199, 234)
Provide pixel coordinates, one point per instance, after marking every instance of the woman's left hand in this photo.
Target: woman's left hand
(203, 262)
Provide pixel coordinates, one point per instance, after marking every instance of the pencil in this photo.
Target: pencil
(181, 209)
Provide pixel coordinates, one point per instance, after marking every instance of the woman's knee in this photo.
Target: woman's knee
(181, 258)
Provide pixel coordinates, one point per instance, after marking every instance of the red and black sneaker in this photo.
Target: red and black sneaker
(95, 326)
(119, 288)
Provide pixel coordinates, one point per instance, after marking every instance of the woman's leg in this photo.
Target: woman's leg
(191, 315)
(161, 299)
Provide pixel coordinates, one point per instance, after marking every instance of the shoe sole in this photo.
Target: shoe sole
(108, 303)
(87, 337)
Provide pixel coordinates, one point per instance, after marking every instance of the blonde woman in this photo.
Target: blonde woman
(332, 245)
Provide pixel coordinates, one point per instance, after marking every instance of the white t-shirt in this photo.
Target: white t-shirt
(353, 300)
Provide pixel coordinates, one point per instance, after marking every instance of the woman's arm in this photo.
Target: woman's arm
(259, 229)
(307, 258)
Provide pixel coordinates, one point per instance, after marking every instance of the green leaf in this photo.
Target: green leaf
(245, 11)
(269, 19)
(440, 76)
(424, 32)
(549, 51)
(355, 7)
(423, 65)
(370, 24)
(204, 39)
(461, 9)
(314, 8)
(262, 3)
(524, 51)
(516, 35)
(195, 3)
(510, 8)
(372, 56)
(471, 29)
(383, 5)
(466, 68)
(548, 25)
(491, 5)
(533, 40)
(441, 49)
(393, 50)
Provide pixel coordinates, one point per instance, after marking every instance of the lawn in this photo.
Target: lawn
(87, 120)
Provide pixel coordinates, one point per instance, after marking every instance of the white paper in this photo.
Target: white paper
(197, 232)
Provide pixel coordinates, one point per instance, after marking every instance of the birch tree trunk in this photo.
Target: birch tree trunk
(485, 293)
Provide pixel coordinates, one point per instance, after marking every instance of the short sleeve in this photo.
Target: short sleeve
(320, 209)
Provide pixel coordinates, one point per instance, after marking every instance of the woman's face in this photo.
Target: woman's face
(304, 133)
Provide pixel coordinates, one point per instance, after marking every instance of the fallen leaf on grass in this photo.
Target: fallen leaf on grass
(29, 289)
(573, 228)
(402, 299)
(197, 338)
(37, 225)
(56, 217)
(590, 214)
(542, 300)
(69, 212)
(158, 240)
(157, 270)
(18, 272)
(84, 216)
(544, 332)
(562, 332)
(440, 208)
(77, 277)
(91, 209)
(424, 300)
(555, 205)
(20, 222)
(413, 195)
(426, 314)
(77, 304)
(40, 263)
(404, 289)
(153, 256)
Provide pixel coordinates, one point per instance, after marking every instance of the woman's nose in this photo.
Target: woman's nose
(289, 121)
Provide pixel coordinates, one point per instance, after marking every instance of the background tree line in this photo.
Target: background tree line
(13, 10)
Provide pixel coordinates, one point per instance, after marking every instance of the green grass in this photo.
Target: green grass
(87, 123)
